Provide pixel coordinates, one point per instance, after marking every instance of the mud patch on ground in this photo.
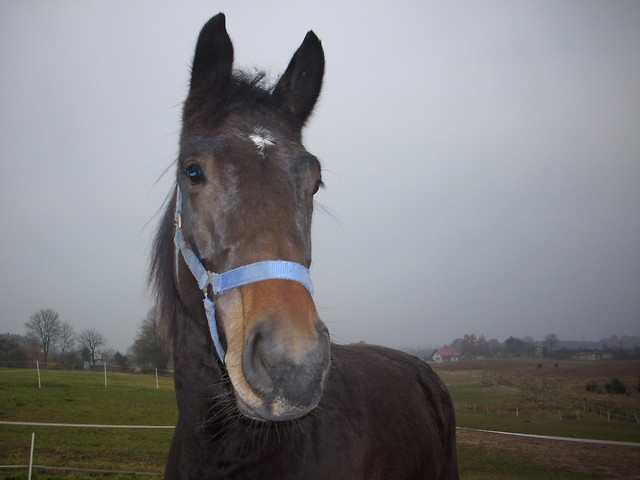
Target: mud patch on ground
(608, 461)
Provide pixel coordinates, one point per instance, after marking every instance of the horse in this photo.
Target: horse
(261, 391)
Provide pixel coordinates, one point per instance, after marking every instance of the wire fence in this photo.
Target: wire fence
(573, 409)
(79, 470)
(107, 370)
(31, 466)
(87, 367)
(51, 376)
(568, 412)
(75, 470)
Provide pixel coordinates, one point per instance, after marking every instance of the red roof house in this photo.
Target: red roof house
(445, 355)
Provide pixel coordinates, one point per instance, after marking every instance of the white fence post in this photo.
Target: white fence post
(38, 368)
(105, 375)
(33, 440)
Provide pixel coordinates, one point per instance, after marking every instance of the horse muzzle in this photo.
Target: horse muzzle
(278, 354)
(289, 381)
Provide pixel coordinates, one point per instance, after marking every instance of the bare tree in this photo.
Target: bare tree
(43, 329)
(469, 345)
(151, 346)
(551, 340)
(66, 339)
(90, 341)
(514, 347)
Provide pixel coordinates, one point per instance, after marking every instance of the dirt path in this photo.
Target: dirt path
(609, 461)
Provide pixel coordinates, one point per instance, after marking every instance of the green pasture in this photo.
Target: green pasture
(491, 407)
(81, 398)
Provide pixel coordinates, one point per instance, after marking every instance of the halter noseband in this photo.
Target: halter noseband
(221, 282)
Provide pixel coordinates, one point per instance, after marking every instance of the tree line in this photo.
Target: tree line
(49, 339)
(472, 346)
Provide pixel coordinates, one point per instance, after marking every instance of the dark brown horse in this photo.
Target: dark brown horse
(261, 392)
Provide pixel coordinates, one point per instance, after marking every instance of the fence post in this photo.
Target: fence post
(38, 368)
(105, 375)
(33, 440)
(157, 386)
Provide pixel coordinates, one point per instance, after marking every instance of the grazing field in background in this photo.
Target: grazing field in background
(508, 395)
(516, 395)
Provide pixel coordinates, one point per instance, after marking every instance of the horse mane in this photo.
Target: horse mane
(160, 278)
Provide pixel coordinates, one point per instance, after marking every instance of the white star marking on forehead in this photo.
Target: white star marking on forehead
(262, 138)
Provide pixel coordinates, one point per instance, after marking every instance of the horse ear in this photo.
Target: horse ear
(300, 84)
(213, 60)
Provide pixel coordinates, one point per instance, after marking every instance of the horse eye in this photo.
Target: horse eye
(194, 173)
(317, 186)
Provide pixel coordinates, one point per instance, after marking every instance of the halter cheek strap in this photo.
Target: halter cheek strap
(222, 282)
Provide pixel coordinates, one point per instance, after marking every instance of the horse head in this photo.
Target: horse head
(246, 185)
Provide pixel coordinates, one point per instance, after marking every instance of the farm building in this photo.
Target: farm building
(592, 355)
(445, 355)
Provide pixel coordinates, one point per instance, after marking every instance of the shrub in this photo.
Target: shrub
(616, 386)
(593, 387)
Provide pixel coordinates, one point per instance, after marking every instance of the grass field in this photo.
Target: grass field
(489, 394)
(483, 403)
(81, 398)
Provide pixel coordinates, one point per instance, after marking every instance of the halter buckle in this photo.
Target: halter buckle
(210, 281)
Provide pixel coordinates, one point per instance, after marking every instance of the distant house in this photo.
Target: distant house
(592, 355)
(445, 355)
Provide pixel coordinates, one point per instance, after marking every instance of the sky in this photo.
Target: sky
(481, 160)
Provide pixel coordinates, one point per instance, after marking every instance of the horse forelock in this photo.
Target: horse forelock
(242, 89)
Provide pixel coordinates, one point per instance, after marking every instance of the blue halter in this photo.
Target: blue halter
(221, 282)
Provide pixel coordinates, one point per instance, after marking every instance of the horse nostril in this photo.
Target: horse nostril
(323, 332)
(279, 370)
(254, 364)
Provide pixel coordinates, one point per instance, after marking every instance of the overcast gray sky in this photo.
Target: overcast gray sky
(482, 160)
